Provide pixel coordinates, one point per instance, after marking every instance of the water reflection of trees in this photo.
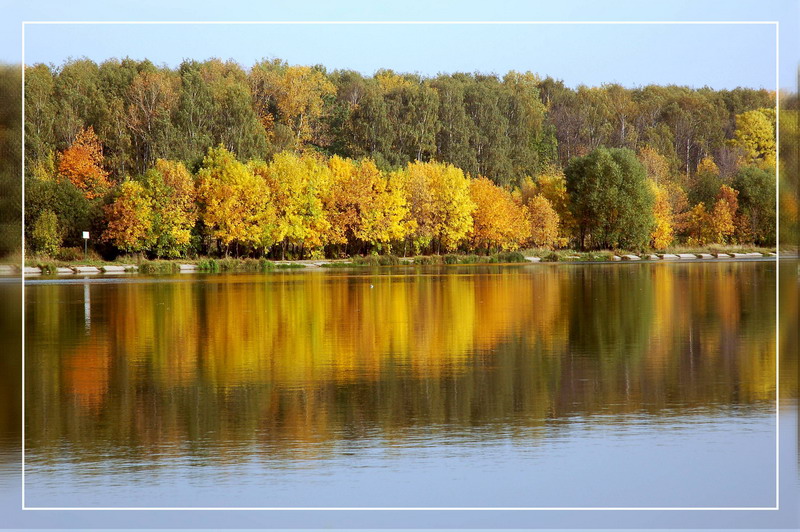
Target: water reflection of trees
(296, 360)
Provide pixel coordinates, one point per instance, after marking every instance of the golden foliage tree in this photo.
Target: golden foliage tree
(717, 225)
(129, 218)
(656, 165)
(439, 203)
(172, 190)
(707, 166)
(297, 186)
(544, 223)
(664, 230)
(363, 204)
(698, 225)
(552, 185)
(295, 93)
(498, 221)
(233, 200)
(724, 214)
(82, 164)
(755, 136)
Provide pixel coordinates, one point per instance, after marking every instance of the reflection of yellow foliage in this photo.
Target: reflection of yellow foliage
(299, 358)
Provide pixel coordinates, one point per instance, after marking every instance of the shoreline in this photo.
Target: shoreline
(118, 273)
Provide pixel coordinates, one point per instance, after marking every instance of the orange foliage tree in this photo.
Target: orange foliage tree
(544, 223)
(362, 204)
(552, 186)
(130, 218)
(724, 214)
(698, 225)
(82, 164)
(715, 226)
(498, 221)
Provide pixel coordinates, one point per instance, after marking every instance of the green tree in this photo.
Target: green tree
(610, 199)
(757, 202)
(45, 236)
(705, 184)
(74, 211)
(40, 114)
(456, 129)
(531, 143)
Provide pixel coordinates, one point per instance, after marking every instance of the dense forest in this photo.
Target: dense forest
(210, 158)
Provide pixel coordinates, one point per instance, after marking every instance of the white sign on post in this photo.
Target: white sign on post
(86, 234)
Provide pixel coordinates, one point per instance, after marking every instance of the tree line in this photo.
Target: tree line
(537, 163)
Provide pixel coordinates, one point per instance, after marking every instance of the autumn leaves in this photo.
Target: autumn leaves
(307, 205)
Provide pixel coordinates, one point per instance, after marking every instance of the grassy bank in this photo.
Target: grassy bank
(49, 265)
(452, 258)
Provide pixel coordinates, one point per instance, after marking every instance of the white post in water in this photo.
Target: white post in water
(85, 242)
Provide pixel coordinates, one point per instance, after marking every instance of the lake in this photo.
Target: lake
(520, 386)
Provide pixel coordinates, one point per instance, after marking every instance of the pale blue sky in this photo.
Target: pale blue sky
(720, 56)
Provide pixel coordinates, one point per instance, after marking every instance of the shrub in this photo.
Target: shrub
(265, 265)
(208, 265)
(507, 257)
(69, 254)
(159, 267)
(429, 259)
(377, 260)
(45, 236)
(338, 265)
(48, 268)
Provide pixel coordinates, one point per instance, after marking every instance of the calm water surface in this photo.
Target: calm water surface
(519, 386)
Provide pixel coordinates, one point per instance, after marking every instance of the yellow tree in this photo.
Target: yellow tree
(544, 223)
(172, 190)
(699, 226)
(297, 187)
(552, 185)
(232, 199)
(717, 225)
(363, 204)
(498, 221)
(295, 93)
(755, 136)
(664, 230)
(439, 204)
(656, 165)
(129, 218)
(386, 220)
(82, 164)
(724, 214)
(346, 199)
